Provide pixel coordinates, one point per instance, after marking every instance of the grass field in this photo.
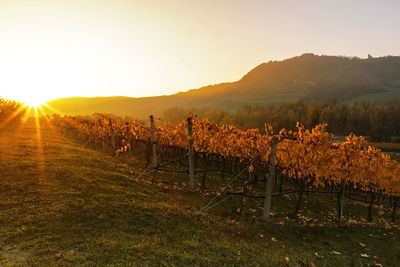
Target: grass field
(378, 98)
(63, 204)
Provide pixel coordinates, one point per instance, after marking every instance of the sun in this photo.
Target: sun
(35, 103)
(32, 101)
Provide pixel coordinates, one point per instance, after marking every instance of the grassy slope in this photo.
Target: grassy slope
(378, 98)
(63, 204)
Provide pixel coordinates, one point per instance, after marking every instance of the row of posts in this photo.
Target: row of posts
(269, 176)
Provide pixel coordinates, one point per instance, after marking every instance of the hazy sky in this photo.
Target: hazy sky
(139, 48)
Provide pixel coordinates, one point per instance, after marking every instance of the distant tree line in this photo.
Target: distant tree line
(378, 122)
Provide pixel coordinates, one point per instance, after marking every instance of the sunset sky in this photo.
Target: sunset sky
(51, 49)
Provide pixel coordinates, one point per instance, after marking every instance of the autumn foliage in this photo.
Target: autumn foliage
(309, 157)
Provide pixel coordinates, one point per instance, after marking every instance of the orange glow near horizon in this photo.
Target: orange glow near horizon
(31, 107)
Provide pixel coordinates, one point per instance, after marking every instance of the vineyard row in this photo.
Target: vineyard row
(308, 157)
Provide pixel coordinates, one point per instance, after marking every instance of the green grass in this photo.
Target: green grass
(63, 204)
(379, 98)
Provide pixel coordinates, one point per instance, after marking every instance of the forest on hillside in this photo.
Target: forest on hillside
(378, 122)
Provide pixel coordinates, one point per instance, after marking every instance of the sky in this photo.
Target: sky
(52, 49)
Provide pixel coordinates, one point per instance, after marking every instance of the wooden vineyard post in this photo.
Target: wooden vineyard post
(269, 177)
(340, 203)
(394, 209)
(153, 144)
(190, 153)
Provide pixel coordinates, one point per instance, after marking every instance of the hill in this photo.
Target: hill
(306, 77)
(63, 204)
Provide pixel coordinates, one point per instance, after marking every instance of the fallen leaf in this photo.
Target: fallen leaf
(364, 255)
(287, 259)
(273, 239)
(336, 253)
(261, 235)
(362, 244)
(312, 264)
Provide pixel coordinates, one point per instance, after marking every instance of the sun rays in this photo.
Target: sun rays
(34, 103)
(32, 117)
(39, 142)
(11, 117)
(41, 163)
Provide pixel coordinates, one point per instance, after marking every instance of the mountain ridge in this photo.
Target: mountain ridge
(307, 77)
